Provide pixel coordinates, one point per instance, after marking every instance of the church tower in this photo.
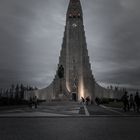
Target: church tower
(74, 78)
(78, 80)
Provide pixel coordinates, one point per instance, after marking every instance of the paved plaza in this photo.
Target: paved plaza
(45, 109)
(68, 121)
(64, 109)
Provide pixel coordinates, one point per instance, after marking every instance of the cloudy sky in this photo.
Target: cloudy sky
(31, 33)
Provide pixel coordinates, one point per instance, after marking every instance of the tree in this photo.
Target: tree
(22, 89)
(12, 90)
(17, 92)
(116, 88)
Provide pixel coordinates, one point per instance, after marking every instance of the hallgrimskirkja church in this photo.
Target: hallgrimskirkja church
(74, 78)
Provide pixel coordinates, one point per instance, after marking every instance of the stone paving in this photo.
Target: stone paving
(102, 110)
(46, 109)
(64, 109)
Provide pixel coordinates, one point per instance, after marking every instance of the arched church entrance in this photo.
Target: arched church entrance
(74, 96)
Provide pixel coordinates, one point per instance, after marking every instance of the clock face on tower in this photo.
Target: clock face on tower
(74, 25)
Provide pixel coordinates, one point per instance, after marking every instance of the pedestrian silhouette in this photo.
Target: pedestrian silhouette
(132, 102)
(97, 100)
(137, 101)
(87, 100)
(125, 102)
(35, 101)
(83, 100)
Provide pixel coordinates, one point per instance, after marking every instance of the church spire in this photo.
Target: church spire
(74, 9)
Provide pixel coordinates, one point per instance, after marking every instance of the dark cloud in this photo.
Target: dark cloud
(31, 33)
(114, 41)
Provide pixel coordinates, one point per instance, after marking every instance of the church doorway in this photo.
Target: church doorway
(74, 96)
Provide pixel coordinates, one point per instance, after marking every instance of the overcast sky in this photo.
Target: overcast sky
(31, 33)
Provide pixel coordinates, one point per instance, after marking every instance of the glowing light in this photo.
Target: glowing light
(67, 85)
(81, 88)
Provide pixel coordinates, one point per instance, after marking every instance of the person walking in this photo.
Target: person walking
(83, 100)
(125, 102)
(131, 102)
(35, 101)
(87, 100)
(137, 101)
(97, 100)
